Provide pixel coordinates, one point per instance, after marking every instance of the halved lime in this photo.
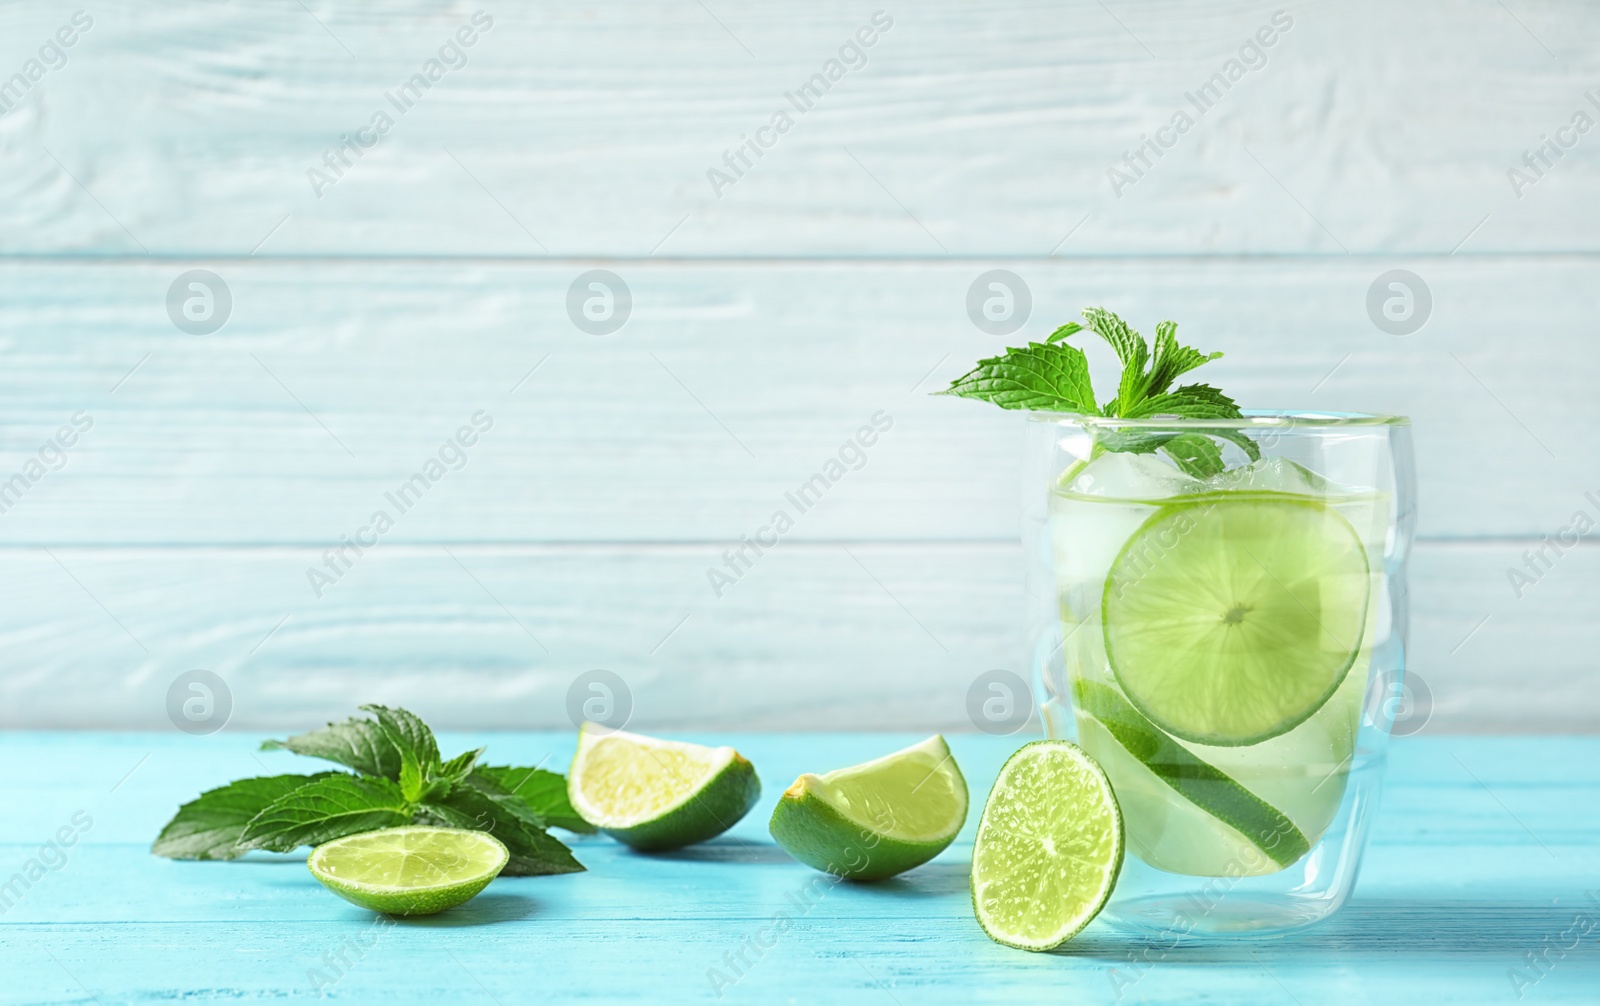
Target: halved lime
(654, 794)
(1231, 620)
(413, 870)
(876, 819)
(1049, 847)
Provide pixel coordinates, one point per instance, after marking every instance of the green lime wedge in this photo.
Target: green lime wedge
(1230, 621)
(1202, 784)
(408, 871)
(656, 795)
(876, 819)
(1049, 847)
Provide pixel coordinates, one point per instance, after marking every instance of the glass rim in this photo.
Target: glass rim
(1253, 419)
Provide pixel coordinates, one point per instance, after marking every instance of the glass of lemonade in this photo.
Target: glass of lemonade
(1227, 648)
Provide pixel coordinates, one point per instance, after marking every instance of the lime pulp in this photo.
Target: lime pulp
(1049, 847)
(414, 870)
(1231, 620)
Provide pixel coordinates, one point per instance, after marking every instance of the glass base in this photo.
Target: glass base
(1188, 916)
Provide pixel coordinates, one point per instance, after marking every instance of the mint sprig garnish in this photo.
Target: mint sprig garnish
(1052, 376)
(399, 779)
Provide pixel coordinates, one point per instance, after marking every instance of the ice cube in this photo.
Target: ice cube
(1097, 510)
(1142, 477)
(1281, 475)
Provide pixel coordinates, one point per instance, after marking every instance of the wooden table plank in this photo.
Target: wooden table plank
(1485, 849)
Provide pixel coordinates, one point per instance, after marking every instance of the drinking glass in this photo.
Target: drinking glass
(1218, 616)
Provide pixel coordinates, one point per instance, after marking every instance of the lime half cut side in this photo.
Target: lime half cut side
(876, 819)
(656, 794)
(1230, 621)
(409, 871)
(1048, 849)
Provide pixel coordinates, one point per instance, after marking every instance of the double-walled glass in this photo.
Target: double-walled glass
(1226, 636)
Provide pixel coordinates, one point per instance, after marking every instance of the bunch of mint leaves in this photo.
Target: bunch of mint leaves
(1051, 376)
(399, 779)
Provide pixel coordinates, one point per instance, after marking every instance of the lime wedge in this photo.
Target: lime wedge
(408, 871)
(1232, 620)
(876, 819)
(1049, 847)
(654, 794)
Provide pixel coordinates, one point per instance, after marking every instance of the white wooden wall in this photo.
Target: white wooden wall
(770, 320)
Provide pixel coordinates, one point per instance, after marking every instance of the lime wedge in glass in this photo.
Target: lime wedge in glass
(1231, 620)
(654, 794)
(1274, 841)
(876, 819)
(1049, 847)
(408, 871)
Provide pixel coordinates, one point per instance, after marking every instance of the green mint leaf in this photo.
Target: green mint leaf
(408, 733)
(1131, 441)
(419, 751)
(1050, 377)
(1192, 401)
(533, 852)
(459, 767)
(410, 776)
(1129, 345)
(1195, 454)
(545, 792)
(1251, 448)
(1171, 359)
(1070, 328)
(210, 826)
(1130, 348)
(356, 743)
(329, 808)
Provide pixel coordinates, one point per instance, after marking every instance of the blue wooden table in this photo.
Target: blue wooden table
(1482, 881)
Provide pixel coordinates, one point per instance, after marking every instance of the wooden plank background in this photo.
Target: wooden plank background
(770, 320)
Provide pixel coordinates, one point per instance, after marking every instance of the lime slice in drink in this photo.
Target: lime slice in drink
(1049, 847)
(876, 819)
(656, 795)
(1273, 840)
(1231, 620)
(409, 871)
